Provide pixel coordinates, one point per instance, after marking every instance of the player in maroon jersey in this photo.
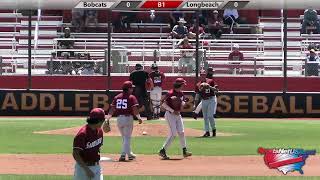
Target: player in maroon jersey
(124, 106)
(206, 90)
(173, 103)
(86, 147)
(157, 78)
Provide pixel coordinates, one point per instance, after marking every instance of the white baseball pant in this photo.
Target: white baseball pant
(125, 125)
(209, 107)
(155, 96)
(80, 174)
(198, 108)
(175, 123)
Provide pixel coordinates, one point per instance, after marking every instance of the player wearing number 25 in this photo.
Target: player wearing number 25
(124, 106)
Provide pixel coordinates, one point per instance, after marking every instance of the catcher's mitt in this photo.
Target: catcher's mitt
(203, 86)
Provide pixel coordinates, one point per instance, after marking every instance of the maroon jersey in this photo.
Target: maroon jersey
(157, 78)
(89, 142)
(123, 104)
(236, 56)
(207, 93)
(208, 80)
(169, 101)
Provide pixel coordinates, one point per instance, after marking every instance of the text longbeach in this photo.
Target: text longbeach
(202, 5)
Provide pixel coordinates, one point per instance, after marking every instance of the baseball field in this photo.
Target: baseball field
(40, 148)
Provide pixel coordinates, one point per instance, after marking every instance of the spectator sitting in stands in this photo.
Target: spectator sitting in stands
(312, 64)
(66, 66)
(310, 18)
(235, 55)
(154, 18)
(126, 18)
(192, 30)
(180, 31)
(312, 46)
(91, 17)
(88, 66)
(77, 19)
(203, 18)
(175, 17)
(66, 44)
(187, 56)
(231, 18)
(215, 25)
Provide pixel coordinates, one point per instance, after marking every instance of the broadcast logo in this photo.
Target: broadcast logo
(286, 160)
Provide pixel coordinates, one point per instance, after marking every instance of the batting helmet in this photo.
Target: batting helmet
(127, 85)
(96, 115)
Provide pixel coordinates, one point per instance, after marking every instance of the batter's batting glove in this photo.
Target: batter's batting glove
(194, 115)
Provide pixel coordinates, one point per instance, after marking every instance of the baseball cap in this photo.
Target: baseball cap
(154, 66)
(127, 85)
(236, 46)
(210, 69)
(96, 115)
(180, 81)
(215, 12)
(312, 50)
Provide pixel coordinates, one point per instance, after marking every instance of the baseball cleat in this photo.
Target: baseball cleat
(214, 133)
(132, 157)
(163, 154)
(122, 158)
(186, 153)
(206, 134)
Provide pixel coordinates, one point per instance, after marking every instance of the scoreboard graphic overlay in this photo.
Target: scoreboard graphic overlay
(163, 4)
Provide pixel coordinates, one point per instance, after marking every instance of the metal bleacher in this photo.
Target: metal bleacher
(262, 52)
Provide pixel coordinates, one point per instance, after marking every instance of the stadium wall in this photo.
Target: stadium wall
(230, 104)
(295, 84)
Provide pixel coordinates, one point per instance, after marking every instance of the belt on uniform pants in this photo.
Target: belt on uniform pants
(125, 115)
(92, 163)
(211, 97)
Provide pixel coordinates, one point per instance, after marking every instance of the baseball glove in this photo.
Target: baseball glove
(203, 86)
(106, 126)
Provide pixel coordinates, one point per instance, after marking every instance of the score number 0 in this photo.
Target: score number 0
(128, 4)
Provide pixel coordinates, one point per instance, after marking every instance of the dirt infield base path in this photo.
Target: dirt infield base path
(152, 165)
(154, 130)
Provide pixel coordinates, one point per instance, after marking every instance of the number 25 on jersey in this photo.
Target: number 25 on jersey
(122, 104)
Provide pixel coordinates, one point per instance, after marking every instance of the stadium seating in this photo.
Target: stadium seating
(261, 51)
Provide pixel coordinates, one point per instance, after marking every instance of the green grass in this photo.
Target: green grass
(42, 177)
(16, 137)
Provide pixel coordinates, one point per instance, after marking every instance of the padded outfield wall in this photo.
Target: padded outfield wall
(230, 104)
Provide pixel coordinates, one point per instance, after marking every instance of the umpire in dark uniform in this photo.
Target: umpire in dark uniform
(139, 78)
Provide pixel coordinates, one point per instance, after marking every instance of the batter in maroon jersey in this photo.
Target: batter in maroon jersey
(86, 147)
(124, 106)
(173, 103)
